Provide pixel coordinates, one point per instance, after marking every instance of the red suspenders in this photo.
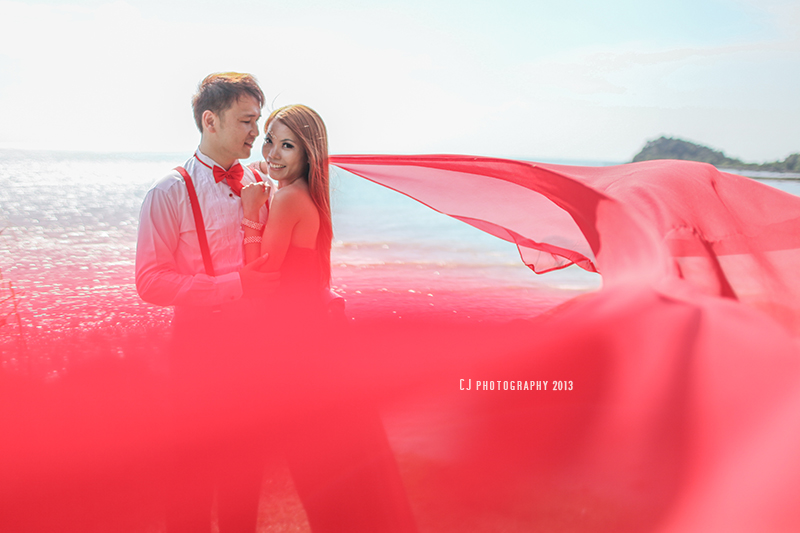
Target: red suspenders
(198, 221)
(198, 218)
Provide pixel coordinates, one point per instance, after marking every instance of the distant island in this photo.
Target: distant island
(669, 148)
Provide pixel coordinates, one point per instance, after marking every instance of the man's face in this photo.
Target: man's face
(238, 128)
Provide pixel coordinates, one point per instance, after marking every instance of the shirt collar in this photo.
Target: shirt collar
(210, 162)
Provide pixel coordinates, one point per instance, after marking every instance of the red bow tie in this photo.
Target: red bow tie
(232, 177)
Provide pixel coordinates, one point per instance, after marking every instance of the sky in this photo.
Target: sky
(571, 80)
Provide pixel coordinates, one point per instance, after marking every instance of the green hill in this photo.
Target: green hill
(669, 148)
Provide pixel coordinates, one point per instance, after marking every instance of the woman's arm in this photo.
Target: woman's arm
(289, 207)
(254, 196)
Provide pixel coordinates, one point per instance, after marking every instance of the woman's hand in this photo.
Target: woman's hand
(254, 195)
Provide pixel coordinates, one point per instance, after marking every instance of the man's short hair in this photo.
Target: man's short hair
(219, 91)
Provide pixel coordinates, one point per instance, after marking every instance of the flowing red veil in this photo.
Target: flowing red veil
(672, 392)
(685, 363)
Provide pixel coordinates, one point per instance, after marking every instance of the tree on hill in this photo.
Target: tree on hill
(669, 148)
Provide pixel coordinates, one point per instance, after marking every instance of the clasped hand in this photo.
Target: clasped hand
(254, 195)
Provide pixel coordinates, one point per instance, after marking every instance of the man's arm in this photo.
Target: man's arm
(158, 280)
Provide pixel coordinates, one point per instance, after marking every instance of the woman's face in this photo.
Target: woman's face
(284, 153)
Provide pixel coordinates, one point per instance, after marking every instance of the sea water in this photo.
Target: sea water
(68, 226)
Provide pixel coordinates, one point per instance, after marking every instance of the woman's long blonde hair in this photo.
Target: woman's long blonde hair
(310, 129)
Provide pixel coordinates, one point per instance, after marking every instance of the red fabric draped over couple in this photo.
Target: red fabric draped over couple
(685, 363)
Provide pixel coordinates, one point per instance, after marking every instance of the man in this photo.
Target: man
(169, 262)
(191, 257)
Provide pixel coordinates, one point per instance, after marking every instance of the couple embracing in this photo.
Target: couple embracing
(243, 255)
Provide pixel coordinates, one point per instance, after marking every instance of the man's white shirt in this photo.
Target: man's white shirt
(169, 263)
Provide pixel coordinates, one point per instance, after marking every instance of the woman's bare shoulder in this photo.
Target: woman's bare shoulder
(294, 196)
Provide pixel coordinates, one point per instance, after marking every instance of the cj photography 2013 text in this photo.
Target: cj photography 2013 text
(469, 384)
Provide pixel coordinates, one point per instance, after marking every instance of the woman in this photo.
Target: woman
(338, 453)
(298, 234)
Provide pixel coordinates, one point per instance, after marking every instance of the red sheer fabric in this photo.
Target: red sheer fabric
(689, 377)
(650, 222)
